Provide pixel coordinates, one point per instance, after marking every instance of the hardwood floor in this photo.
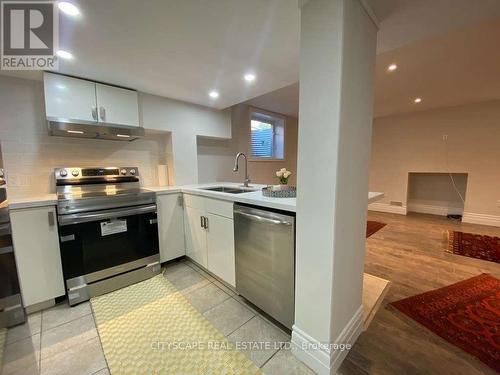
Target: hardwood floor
(409, 251)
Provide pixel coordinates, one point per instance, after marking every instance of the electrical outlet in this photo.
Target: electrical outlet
(445, 137)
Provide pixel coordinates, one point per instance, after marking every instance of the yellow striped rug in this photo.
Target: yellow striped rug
(150, 328)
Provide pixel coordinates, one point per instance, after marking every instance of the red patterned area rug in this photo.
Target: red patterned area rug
(474, 246)
(466, 314)
(373, 227)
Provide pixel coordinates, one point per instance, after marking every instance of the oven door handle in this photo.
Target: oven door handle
(103, 215)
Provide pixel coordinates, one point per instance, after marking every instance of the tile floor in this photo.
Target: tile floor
(64, 340)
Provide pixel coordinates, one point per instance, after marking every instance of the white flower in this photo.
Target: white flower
(283, 170)
(287, 174)
(278, 173)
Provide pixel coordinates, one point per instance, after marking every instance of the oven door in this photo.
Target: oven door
(11, 309)
(97, 245)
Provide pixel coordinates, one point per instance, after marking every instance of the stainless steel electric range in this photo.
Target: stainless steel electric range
(108, 230)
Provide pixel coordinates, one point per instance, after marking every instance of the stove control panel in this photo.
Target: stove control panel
(116, 173)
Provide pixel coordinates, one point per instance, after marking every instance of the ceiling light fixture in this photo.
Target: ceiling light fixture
(64, 54)
(75, 131)
(249, 77)
(123, 135)
(392, 67)
(68, 8)
(418, 100)
(213, 94)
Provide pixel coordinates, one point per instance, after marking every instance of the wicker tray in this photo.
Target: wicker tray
(279, 191)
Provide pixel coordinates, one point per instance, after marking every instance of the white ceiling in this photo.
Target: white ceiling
(458, 68)
(182, 49)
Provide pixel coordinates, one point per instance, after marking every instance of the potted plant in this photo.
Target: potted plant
(283, 176)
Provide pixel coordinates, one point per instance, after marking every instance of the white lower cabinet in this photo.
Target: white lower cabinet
(38, 258)
(170, 226)
(208, 225)
(196, 240)
(220, 244)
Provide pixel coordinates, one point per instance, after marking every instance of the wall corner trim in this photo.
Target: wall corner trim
(322, 359)
(483, 219)
(386, 207)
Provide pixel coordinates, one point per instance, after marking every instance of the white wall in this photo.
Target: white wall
(185, 122)
(414, 143)
(337, 47)
(216, 157)
(30, 154)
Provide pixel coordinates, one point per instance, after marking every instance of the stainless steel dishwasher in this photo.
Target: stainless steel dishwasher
(265, 260)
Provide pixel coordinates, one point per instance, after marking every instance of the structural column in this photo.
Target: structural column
(337, 63)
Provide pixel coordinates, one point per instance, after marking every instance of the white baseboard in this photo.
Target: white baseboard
(483, 219)
(433, 210)
(386, 207)
(324, 360)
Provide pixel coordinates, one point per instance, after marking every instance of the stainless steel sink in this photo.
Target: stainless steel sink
(229, 189)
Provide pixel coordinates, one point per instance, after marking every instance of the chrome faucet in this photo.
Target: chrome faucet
(235, 169)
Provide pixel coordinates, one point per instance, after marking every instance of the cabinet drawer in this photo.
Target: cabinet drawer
(194, 201)
(218, 207)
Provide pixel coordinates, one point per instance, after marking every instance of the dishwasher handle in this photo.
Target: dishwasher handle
(262, 218)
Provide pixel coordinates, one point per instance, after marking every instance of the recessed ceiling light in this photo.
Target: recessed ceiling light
(418, 100)
(392, 67)
(74, 131)
(123, 135)
(249, 77)
(68, 8)
(213, 94)
(64, 55)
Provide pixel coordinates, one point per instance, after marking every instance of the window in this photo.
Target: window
(267, 136)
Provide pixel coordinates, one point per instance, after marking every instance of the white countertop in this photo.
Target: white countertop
(253, 197)
(33, 201)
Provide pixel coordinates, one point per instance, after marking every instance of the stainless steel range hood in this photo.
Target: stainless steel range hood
(81, 129)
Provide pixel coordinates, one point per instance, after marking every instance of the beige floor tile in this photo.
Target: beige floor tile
(258, 339)
(247, 304)
(67, 335)
(228, 316)
(22, 356)
(63, 313)
(186, 278)
(205, 298)
(284, 362)
(30, 328)
(104, 371)
(84, 359)
(225, 288)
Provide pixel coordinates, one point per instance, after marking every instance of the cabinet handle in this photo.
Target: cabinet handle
(205, 219)
(94, 113)
(202, 222)
(102, 113)
(51, 218)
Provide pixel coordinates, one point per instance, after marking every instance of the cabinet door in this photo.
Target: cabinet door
(220, 244)
(170, 226)
(117, 106)
(69, 98)
(196, 236)
(36, 247)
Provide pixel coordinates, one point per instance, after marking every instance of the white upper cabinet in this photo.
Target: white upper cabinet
(117, 105)
(69, 98)
(72, 99)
